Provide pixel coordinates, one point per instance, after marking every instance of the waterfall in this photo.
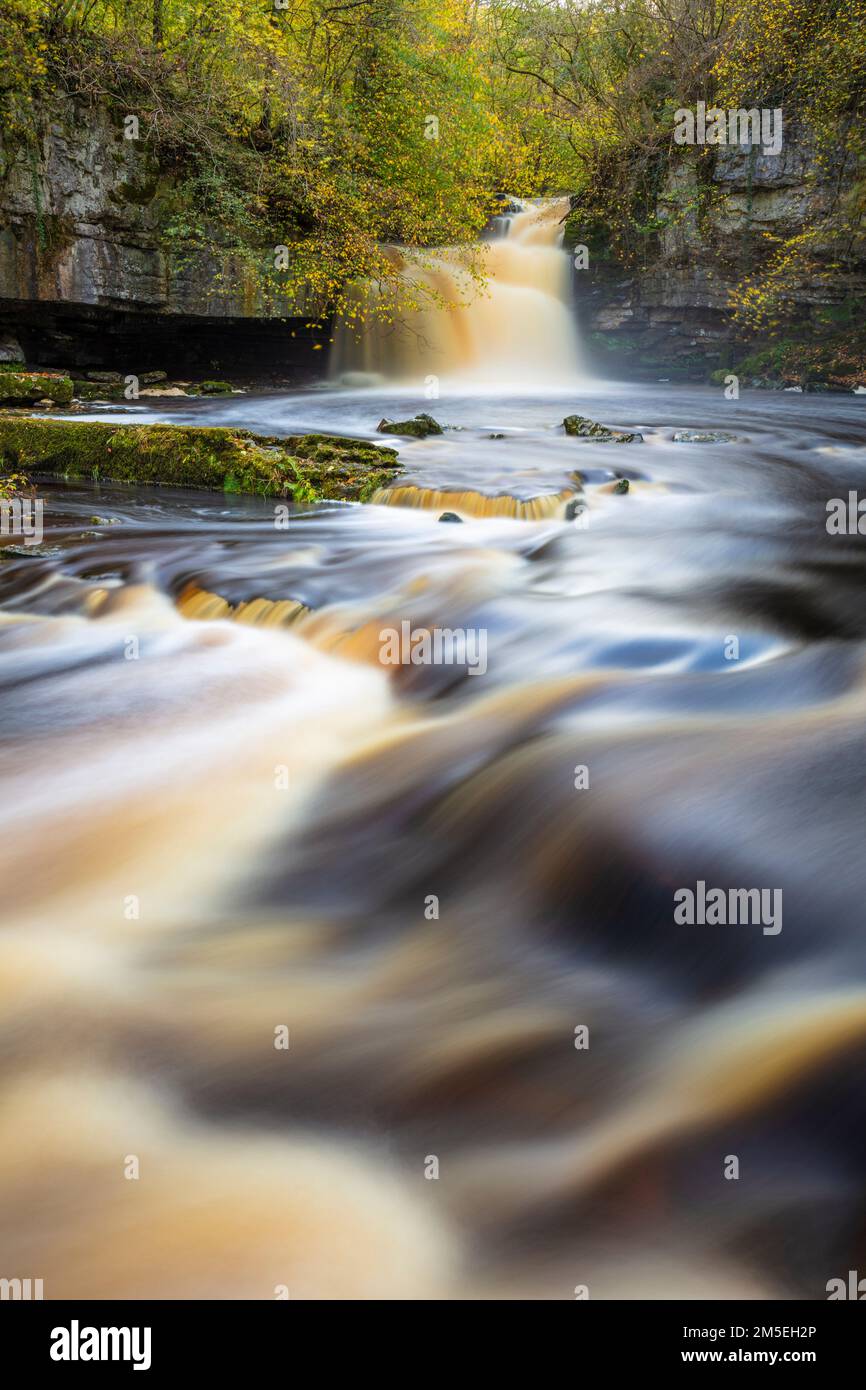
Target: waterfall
(499, 315)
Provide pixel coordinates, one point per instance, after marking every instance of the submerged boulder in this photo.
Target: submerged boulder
(703, 437)
(581, 427)
(420, 427)
(574, 509)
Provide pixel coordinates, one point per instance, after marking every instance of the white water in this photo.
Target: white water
(508, 324)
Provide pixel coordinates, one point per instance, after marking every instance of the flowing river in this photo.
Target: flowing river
(324, 977)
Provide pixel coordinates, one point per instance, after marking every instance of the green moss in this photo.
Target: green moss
(419, 428)
(619, 342)
(140, 193)
(98, 391)
(56, 232)
(838, 359)
(23, 388)
(305, 467)
(215, 388)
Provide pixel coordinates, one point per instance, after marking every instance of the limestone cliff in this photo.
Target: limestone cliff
(89, 274)
(673, 316)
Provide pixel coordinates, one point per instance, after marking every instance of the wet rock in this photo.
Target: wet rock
(581, 427)
(215, 388)
(152, 378)
(450, 516)
(419, 428)
(496, 436)
(98, 391)
(29, 552)
(574, 508)
(111, 377)
(703, 437)
(621, 488)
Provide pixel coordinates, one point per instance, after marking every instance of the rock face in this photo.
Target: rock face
(85, 263)
(673, 318)
(10, 349)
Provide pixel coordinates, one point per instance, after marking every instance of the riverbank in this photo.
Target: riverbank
(305, 468)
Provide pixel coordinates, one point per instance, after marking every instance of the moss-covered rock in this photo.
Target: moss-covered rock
(215, 388)
(419, 428)
(305, 467)
(23, 388)
(581, 427)
(97, 391)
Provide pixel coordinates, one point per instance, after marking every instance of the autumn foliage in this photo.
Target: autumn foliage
(335, 126)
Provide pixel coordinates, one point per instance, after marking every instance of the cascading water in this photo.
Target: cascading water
(257, 827)
(499, 314)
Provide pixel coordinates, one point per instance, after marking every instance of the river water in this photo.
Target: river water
(228, 826)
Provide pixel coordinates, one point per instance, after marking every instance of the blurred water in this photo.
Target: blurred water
(242, 825)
